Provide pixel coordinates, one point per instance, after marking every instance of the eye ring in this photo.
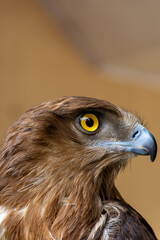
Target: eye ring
(89, 122)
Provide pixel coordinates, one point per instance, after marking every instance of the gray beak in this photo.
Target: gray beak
(143, 143)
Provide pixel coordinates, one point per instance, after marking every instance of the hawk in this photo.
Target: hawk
(58, 165)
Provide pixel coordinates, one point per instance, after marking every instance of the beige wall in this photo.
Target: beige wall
(38, 63)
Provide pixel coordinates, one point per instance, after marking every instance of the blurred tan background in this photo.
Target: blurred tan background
(41, 58)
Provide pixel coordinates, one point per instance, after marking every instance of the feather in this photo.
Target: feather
(57, 177)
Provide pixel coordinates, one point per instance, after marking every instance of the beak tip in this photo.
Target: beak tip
(154, 151)
(153, 158)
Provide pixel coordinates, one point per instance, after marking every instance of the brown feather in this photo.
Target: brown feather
(52, 184)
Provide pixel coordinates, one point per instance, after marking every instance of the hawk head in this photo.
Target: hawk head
(60, 159)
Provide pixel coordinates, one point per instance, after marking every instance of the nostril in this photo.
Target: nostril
(135, 134)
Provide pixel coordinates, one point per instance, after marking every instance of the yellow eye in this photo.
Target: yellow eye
(89, 122)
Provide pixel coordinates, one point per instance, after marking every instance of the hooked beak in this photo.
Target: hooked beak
(142, 142)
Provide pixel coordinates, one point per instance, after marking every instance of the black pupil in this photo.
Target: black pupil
(89, 122)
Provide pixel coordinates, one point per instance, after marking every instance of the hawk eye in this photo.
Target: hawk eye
(89, 122)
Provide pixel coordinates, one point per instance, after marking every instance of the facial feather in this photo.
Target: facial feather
(59, 173)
